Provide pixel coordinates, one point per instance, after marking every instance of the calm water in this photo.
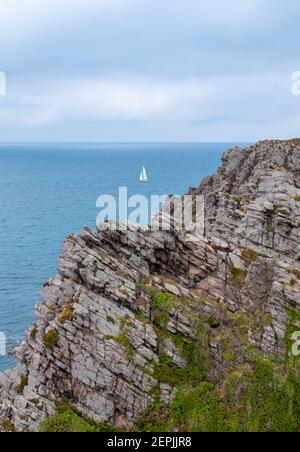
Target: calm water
(48, 191)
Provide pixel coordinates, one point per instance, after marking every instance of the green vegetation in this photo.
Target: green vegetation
(23, 383)
(260, 396)
(8, 426)
(249, 256)
(237, 276)
(50, 338)
(270, 227)
(68, 420)
(255, 401)
(142, 317)
(123, 340)
(263, 396)
(111, 320)
(214, 322)
(67, 314)
(197, 364)
(261, 401)
(161, 303)
(80, 266)
(33, 332)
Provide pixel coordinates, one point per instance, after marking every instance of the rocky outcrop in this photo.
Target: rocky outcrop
(123, 297)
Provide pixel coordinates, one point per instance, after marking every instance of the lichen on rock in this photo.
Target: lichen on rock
(172, 330)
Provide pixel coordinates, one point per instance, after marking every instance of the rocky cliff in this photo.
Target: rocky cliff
(171, 330)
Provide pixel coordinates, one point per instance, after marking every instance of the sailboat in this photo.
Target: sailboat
(143, 176)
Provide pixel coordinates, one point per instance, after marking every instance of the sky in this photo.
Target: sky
(149, 70)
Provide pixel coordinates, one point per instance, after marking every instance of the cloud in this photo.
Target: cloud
(203, 100)
(170, 66)
(107, 100)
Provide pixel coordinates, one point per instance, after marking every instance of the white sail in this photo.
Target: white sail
(144, 176)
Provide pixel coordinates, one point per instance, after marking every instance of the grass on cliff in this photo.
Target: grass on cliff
(50, 338)
(67, 420)
(257, 401)
(264, 399)
(262, 396)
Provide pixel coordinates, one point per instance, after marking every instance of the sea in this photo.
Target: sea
(48, 191)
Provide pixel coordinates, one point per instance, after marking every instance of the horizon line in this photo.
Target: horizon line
(122, 142)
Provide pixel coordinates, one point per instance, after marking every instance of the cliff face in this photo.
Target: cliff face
(133, 315)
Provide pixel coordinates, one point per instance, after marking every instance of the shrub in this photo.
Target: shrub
(123, 340)
(33, 332)
(237, 276)
(68, 421)
(50, 338)
(23, 383)
(67, 314)
(249, 256)
(8, 426)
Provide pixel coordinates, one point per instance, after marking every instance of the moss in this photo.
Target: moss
(122, 339)
(142, 317)
(237, 276)
(156, 418)
(268, 319)
(237, 199)
(197, 358)
(197, 410)
(23, 383)
(214, 322)
(33, 332)
(67, 314)
(169, 281)
(108, 337)
(268, 401)
(258, 400)
(50, 338)
(161, 304)
(249, 256)
(296, 273)
(80, 266)
(68, 420)
(192, 410)
(8, 426)
(111, 320)
(125, 322)
(229, 356)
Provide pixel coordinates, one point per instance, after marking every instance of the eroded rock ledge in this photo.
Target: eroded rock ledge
(131, 312)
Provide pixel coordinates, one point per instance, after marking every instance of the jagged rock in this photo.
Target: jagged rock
(95, 341)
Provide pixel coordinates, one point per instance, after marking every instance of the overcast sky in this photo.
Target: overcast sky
(149, 70)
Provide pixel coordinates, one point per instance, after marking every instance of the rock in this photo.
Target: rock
(96, 339)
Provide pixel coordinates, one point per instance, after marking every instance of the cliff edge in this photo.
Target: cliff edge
(175, 331)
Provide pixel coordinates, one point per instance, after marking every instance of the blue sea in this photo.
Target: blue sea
(49, 191)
